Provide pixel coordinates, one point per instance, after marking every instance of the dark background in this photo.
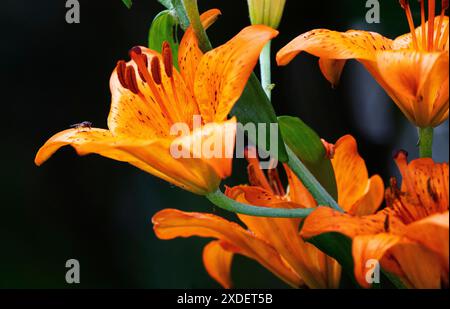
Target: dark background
(98, 211)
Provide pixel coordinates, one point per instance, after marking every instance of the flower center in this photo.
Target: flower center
(431, 39)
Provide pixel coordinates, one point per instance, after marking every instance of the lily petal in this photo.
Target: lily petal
(367, 249)
(405, 41)
(325, 220)
(213, 143)
(151, 156)
(189, 53)
(172, 223)
(328, 44)
(420, 266)
(281, 233)
(217, 262)
(158, 105)
(409, 75)
(424, 188)
(352, 178)
(223, 72)
(432, 232)
(332, 69)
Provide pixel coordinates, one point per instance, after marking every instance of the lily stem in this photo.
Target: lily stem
(426, 142)
(265, 63)
(192, 12)
(221, 200)
(319, 193)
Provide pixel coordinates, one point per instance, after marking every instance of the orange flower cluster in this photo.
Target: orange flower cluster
(409, 236)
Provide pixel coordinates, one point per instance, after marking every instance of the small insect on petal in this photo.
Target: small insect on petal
(81, 125)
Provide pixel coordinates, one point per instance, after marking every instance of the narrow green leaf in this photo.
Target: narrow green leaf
(255, 107)
(306, 145)
(164, 28)
(128, 3)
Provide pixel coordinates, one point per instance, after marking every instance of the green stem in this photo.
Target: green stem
(264, 63)
(310, 182)
(426, 142)
(194, 19)
(221, 200)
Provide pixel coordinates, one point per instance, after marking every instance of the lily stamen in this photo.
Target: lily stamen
(405, 5)
(135, 54)
(168, 67)
(431, 15)
(423, 23)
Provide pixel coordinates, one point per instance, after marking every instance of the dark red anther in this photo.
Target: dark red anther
(155, 68)
(145, 61)
(120, 69)
(167, 59)
(130, 77)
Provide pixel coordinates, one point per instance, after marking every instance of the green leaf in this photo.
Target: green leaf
(307, 146)
(339, 247)
(164, 28)
(127, 3)
(254, 107)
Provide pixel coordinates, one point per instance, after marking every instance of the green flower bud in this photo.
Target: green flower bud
(266, 12)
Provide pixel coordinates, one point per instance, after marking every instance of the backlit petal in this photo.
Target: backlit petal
(223, 72)
(171, 223)
(214, 144)
(405, 41)
(217, 262)
(408, 74)
(189, 53)
(328, 44)
(372, 200)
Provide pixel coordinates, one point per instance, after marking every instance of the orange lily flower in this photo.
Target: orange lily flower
(149, 97)
(409, 237)
(413, 68)
(275, 242)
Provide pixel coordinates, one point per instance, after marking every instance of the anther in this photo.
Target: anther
(130, 77)
(120, 69)
(167, 59)
(145, 61)
(155, 68)
(137, 50)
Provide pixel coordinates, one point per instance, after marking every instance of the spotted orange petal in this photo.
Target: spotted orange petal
(223, 72)
(424, 188)
(329, 44)
(325, 220)
(189, 53)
